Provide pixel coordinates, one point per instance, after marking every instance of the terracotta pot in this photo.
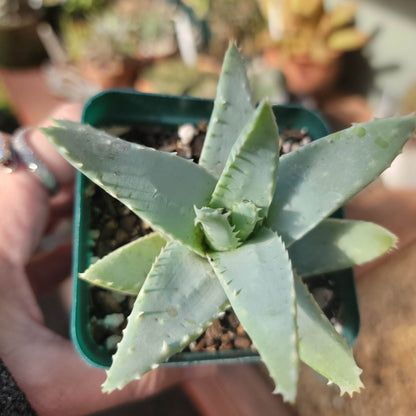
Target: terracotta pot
(113, 73)
(307, 77)
(20, 45)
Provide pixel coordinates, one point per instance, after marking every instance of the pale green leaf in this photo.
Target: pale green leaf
(318, 178)
(180, 298)
(159, 187)
(232, 108)
(126, 268)
(258, 280)
(250, 173)
(321, 347)
(219, 233)
(244, 216)
(339, 244)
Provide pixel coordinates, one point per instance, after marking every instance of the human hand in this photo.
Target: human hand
(45, 365)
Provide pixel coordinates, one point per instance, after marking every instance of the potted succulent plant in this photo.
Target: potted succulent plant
(311, 42)
(236, 229)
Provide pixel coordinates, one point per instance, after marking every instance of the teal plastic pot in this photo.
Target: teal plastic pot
(133, 108)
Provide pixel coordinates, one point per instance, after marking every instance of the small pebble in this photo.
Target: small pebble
(226, 342)
(200, 346)
(107, 302)
(240, 330)
(215, 330)
(233, 320)
(121, 236)
(242, 342)
(192, 346)
(128, 222)
(186, 133)
(112, 320)
(112, 341)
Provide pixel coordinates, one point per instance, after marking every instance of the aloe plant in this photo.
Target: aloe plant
(236, 230)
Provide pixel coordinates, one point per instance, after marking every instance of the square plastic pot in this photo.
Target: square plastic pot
(126, 108)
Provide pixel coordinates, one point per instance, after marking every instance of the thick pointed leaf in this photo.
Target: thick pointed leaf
(245, 216)
(126, 268)
(232, 108)
(317, 179)
(179, 299)
(321, 347)
(339, 244)
(219, 233)
(159, 187)
(258, 280)
(251, 170)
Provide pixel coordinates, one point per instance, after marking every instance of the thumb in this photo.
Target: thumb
(59, 382)
(25, 201)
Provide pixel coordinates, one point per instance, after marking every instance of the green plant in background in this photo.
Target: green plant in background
(111, 30)
(236, 230)
(141, 29)
(173, 77)
(305, 28)
(223, 23)
(82, 8)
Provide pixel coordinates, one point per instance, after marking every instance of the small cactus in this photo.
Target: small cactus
(251, 222)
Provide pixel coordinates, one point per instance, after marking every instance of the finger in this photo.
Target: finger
(25, 201)
(63, 200)
(24, 213)
(165, 377)
(46, 152)
(61, 207)
(47, 270)
(59, 382)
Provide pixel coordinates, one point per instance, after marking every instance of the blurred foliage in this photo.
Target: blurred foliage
(83, 8)
(237, 20)
(172, 76)
(121, 29)
(308, 29)
(200, 7)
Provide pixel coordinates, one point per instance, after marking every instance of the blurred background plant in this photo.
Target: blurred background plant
(238, 20)
(319, 51)
(306, 28)
(303, 51)
(84, 8)
(117, 28)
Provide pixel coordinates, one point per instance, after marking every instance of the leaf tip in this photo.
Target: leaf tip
(288, 397)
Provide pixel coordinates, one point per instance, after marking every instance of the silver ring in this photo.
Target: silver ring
(26, 156)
